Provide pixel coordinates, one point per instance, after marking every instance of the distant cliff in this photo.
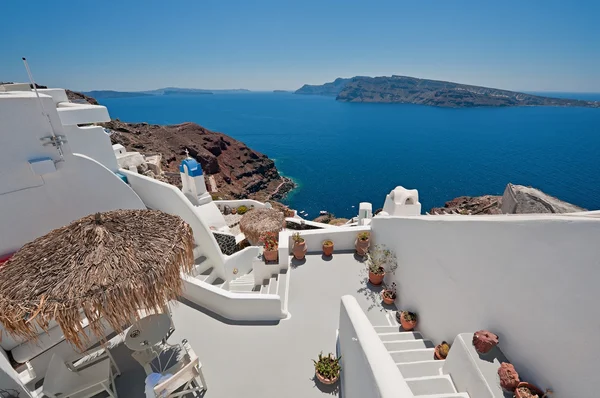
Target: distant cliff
(331, 89)
(411, 90)
(517, 199)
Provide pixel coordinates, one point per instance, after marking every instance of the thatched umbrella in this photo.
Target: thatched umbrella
(110, 265)
(258, 221)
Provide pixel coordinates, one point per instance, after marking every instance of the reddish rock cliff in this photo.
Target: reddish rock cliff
(238, 171)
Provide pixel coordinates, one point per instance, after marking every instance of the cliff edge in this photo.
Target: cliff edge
(516, 199)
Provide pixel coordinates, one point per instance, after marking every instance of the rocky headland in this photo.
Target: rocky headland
(516, 199)
(411, 90)
(237, 171)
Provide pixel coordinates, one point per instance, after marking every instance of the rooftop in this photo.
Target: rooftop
(273, 359)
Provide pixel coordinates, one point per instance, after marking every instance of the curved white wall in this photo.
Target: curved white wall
(532, 280)
(81, 186)
(233, 306)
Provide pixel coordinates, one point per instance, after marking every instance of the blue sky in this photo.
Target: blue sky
(136, 45)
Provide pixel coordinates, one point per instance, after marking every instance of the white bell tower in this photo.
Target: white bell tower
(192, 181)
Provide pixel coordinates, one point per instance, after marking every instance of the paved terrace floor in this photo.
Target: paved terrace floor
(271, 361)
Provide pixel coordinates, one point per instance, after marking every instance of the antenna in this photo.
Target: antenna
(55, 140)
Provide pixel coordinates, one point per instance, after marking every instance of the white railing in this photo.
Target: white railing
(249, 203)
(368, 369)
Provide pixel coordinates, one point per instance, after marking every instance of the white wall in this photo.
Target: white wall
(33, 205)
(368, 370)
(241, 202)
(343, 238)
(233, 306)
(532, 280)
(92, 141)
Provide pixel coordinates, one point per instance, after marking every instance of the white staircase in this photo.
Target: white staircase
(414, 356)
(277, 284)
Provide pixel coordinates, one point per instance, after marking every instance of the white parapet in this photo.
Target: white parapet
(402, 202)
(365, 213)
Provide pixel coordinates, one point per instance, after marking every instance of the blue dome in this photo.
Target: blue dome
(194, 168)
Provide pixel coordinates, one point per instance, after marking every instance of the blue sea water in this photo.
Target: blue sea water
(343, 153)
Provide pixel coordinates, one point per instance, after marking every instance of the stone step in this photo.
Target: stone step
(424, 354)
(431, 385)
(264, 288)
(218, 282)
(386, 329)
(421, 369)
(273, 285)
(242, 288)
(400, 336)
(405, 345)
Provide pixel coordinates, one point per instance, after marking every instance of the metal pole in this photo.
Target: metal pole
(56, 141)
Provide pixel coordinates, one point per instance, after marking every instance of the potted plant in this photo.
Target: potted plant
(527, 390)
(484, 341)
(377, 259)
(389, 295)
(441, 350)
(270, 244)
(363, 241)
(327, 247)
(233, 210)
(299, 249)
(242, 209)
(509, 378)
(407, 319)
(327, 368)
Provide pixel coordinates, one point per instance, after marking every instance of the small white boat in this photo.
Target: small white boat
(323, 212)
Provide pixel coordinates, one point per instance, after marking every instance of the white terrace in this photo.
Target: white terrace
(531, 279)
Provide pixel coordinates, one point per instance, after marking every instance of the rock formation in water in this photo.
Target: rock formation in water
(411, 90)
(517, 199)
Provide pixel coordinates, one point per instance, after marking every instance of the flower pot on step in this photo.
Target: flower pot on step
(406, 324)
(527, 390)
(376, 279)
(299, 250)
(362, 246)
(327, 381)
(509, 378)
(440, 352)
(484, 341)
(386, 299)
(270, 255)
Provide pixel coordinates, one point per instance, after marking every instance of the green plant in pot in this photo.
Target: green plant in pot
(299, 249)
(270, 241)
(389, 295)
(327, 247)
(242, 210)
(378, 260)
(363, 241)
(441, 350)
(407, 319)
(327, 368)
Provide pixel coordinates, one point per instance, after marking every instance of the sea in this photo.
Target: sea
(341, 154)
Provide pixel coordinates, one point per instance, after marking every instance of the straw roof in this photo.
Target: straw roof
(258, 221)
(110, 265)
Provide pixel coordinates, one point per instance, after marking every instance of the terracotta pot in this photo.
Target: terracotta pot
(327, 381)
(407, 325)
(362, 246)
(484, 341)
(533, 389)
(270, 255)
(233, 210)
(509, 378)
(376, 279)
(387, 300)
(327, 250)
(437, 354)
(299, 250)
